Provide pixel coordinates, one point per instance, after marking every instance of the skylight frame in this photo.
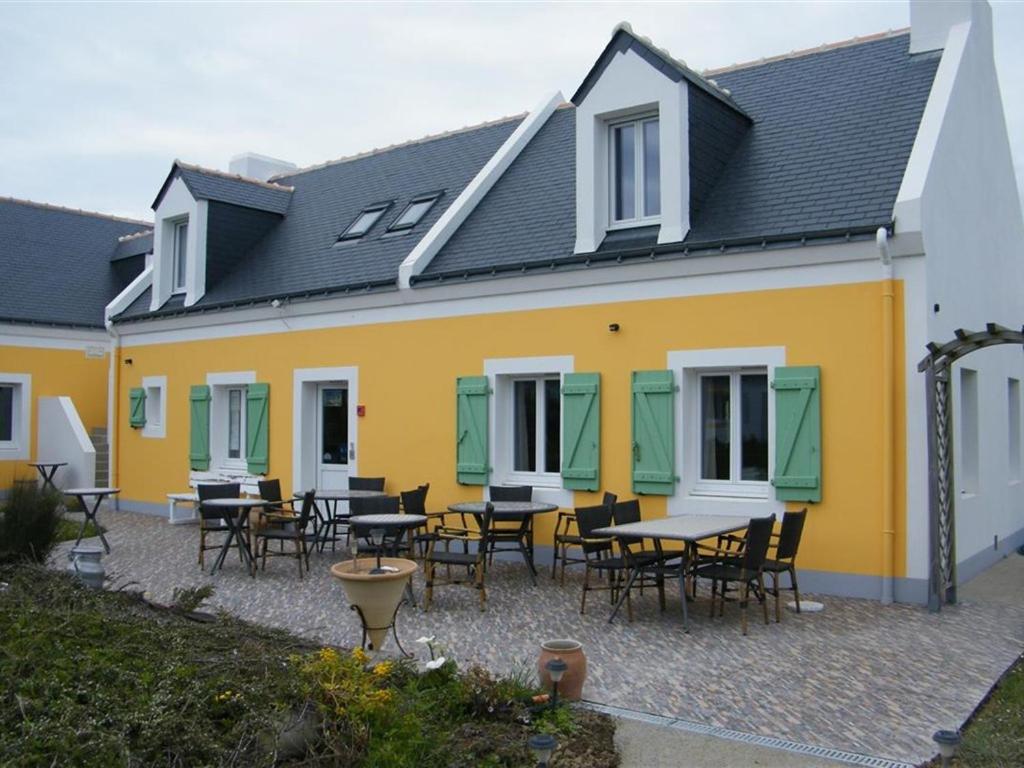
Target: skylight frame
(380, 208)
(426, 197)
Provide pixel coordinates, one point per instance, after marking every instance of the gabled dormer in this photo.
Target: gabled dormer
(204, 220)
(644, 123)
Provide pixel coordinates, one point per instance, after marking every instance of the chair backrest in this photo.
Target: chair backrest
(609, 498)
(755, 548)
(366, 483)
(484, 522)
(624, 512)
(270, 490)
(307, 509)
(209, 491)
(511, 493)
(589, 519)
(789, 536)
(415, 502)
(376, 505)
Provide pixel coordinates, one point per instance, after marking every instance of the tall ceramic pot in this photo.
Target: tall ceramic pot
(570, 687)
(377, 595)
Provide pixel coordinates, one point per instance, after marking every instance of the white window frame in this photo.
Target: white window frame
(735, 486)
(155, 388)
(17, 448)
(694, 496)
(220, 385)
(177, 247)
(640, 220)
(539, 476)
(547, 486)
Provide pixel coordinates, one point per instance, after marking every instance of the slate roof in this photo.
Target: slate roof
(208, 184)
(824, 157)
(55, 263)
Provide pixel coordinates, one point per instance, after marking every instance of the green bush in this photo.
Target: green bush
(29, 520)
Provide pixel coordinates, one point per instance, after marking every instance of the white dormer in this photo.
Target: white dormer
(632, 145)
(179, 246)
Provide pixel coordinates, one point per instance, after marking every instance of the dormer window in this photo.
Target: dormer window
(414, 211)
(364, 221)
(635, 170)
(180, 268)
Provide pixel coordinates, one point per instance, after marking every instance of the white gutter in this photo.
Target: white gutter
(427, 248)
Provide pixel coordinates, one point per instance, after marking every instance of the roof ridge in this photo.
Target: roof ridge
(232, 176)
(135, 235)
(802, 52)
(79, 211)
(399, 145)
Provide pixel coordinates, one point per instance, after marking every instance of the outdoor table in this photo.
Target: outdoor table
(100, 494)
(325, 517)
(174, 499)
(401, 522)
(235, 525)
(688, 529)
(46, 470)
(510, 510)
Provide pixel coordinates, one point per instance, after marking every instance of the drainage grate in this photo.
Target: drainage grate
(850, 758)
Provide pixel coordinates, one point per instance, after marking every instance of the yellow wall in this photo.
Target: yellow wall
(56, 372)
(407, 383)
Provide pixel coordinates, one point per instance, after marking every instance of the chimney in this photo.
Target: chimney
(931, 20)
(259, 167)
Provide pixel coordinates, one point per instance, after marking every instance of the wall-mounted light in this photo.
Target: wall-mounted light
(613, 327)
(276, 303)
(127, 361)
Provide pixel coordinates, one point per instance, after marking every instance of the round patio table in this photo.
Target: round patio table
(46, 470)
(100, 494)
(329, 514)
(235, 525)
(402, 523)
(508, 511)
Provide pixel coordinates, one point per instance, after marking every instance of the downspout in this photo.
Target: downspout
(112, 382)
(888, 418)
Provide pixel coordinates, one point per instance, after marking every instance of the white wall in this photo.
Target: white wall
(62, 437)
(176, 204)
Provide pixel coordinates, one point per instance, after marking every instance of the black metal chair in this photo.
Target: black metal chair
(516, 530)
(599, 555)
(783, 560)
(565, 538)
(439, 552)
(725, 566)
(285, 527)
(212, 519)
(414, 502)
(270, 490)
(366, 484)
(336, 518)
(377, 505)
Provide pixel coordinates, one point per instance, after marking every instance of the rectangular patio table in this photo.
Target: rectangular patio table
(688, 529)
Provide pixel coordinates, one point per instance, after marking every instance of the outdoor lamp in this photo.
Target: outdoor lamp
(948, 741)
(556, 668)
(542, 745)
(377, 537)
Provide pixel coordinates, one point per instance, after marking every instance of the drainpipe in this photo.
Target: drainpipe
(888, 418)
(112, 376)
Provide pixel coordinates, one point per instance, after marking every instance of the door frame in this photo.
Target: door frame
(304, 420)
(321, 387)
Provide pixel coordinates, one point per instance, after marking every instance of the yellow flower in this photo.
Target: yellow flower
(360, 655)
(328, 655)
(383, 669)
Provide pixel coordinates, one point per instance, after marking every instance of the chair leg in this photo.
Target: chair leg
(775, 591)
(554, 560)
(714, 593)
(202, 548)
(481, 589)
(764, 597)
(428, 591)
(743, 605)
(661, 592)
(629, 607)
(298, 555)
(586, 586)
(263, 552)
(796, 589)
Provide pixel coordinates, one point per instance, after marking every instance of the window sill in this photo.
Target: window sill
(11, 451)
(634, 224)
(155, 432)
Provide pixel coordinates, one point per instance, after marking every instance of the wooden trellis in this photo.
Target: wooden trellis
(937, 367)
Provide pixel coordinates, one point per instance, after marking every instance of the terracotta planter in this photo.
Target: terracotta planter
(570, 687)
(376, 595)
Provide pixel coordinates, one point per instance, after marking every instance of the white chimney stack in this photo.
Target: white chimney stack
(931, 20)
(259, 167)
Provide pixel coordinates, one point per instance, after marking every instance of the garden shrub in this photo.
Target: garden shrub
(29, 520)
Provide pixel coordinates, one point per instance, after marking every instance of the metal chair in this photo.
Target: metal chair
(514, 530)
(377, 505)
(211, 520)
(599, 555)
(787, 542)
(564, 538)
(287, 526)
(473, 562)
(366, 483)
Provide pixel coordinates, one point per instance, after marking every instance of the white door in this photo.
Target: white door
(333, 448)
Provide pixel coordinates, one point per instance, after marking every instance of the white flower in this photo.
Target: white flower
(425, 640)
(436, 663)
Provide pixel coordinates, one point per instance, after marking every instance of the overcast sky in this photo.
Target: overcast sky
(96, 101)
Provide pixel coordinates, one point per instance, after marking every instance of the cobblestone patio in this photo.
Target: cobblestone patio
(858, 676)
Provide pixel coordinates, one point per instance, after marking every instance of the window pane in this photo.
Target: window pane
(754, 427)
(334, 426)
(6, 414)
(552, 426)
(624, 182)
(366, 220)
(180, 254)
(714, 435)
(153, 397)
(413, 213)
(234, 424)
(652, 169)
(524, 427)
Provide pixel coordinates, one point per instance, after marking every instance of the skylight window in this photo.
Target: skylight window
(414, 211)
(364, 221)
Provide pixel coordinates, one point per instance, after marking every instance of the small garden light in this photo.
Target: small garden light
(948, 742)
(542, 745)
(377, 537)
(556, 668)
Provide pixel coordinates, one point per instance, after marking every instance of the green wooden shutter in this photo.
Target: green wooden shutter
(581, 431)
(257, 428)
(199, 436)
(797, 433)
(471, 467)
(137, 407)
(654, 418)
